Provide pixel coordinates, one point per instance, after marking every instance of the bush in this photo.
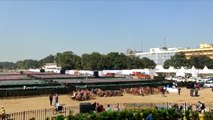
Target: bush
(32, 118)
(208, 115)
(60, 117)
(195, 115)
(162, 114)
(187, 115)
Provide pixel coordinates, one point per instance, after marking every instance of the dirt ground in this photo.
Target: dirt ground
(42, 102)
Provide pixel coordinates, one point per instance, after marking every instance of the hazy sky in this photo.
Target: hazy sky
(36, 29)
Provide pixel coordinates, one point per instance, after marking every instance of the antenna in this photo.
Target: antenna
(164, 42)
(141, 45)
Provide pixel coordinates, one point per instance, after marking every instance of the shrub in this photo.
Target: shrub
(162, 114)
(33, 118)
(195, 115)
(60, 117)
(137, 115)
(187, 115)
(208, 115)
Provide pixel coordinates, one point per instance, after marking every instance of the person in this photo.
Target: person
(74, 95)
(56, 98)
(191, 92)
(179, 89)
(201, 107)
(57, 105)
(108, 108)
(100, 108)
(117, 108)
(196, 92)
(51, 99)
(24, 87)
(3, 113)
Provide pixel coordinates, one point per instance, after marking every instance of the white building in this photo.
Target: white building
(158, 55)
(51, 67)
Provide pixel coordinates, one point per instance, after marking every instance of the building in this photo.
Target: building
(51, 67)
(204, 49)
(158, 55)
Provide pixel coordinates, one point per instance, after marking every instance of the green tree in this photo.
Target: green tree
(110, 60)
(134, 62)
(120, 61)
(77, 62)
(66, 60)
(201, 61)
(27, 64)
(148, 63)
(168, 63)
(1, 68)
(48, 59)
(7, 65)
(84, 61)
(177, 61)
(92, 61)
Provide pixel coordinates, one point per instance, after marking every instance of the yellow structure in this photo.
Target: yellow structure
(205, 49)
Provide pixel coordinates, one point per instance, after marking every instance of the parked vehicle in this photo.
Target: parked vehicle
(140, 75)
(208, 83)
(179, 79)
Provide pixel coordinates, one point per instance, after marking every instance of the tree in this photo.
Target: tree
(134, 62)
(148, 63)
(7, 65)
(48, 59)
(176, 61)
(1, 68)
(27, 64)
(168, 63)
(92, 61)
(201, 61)
(67, 60)
(120, 61)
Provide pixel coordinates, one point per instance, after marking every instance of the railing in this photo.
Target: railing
(42, 114)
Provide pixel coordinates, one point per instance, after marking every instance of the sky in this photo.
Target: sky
(35, 29)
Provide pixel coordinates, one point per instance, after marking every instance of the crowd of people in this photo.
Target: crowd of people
(143, 91)
(82, 95)
(97, 107)
(86, 94)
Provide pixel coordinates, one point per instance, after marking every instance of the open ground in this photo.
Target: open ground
(42, 102)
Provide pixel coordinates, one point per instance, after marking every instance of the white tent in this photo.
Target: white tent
(181, 72)
(172, 69)
(160, 69)
(194, 71)
(206, 71)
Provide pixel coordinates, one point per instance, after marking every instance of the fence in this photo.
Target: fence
(42, 114)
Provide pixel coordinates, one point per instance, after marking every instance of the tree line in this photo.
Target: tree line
(111, 61)
(94, 61)
(198, 61)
